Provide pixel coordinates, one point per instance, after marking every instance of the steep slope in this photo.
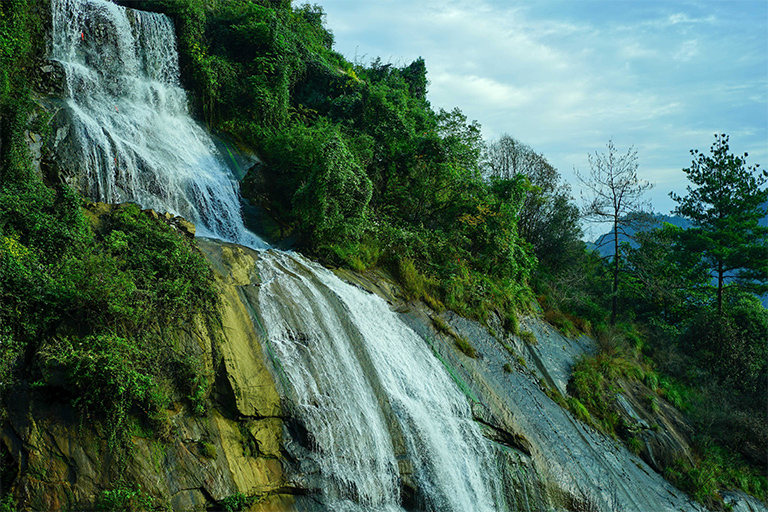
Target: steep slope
(323, 398)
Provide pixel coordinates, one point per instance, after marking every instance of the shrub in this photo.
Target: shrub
(236, 502)
(560, 320)
(635, 445)
(512, 323)
(98, 309)
(466, 347)
(581, 412)
(125, 499)
(529, 338)
(442, 326)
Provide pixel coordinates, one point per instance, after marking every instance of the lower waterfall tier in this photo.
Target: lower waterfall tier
(325, 399)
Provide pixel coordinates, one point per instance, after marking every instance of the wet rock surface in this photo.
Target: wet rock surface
(551, 460)
(547, 460)
(54, 459)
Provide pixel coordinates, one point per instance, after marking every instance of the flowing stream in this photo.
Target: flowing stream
(387, 424)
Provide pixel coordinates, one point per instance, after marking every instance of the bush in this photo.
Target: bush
(103, 373)
(466, 347)
(236, 502)
(511, 323)
(125, 499)
(732, 346)
(98, 309)
(529, 338)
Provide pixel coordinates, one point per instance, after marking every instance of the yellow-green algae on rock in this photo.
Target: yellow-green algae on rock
(64, 462)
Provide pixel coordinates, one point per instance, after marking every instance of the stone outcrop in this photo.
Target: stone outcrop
(249, 443)
(55, 460)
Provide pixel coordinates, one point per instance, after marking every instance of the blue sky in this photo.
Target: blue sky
(567, 76)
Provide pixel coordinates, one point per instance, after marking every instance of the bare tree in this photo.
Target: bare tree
(613, 194)
(507, 157)
(548, 219)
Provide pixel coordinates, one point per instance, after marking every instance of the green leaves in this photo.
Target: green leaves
(90, 315)
(725, 208)
(333, 200)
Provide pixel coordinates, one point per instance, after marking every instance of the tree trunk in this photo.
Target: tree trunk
(615, 294)
(720, 273)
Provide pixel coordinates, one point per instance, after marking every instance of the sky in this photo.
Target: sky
(565, 77)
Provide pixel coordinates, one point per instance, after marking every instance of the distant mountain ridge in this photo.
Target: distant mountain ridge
(605, 246)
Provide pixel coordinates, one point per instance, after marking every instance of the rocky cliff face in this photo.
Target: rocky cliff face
(251, 443)
(55, 460)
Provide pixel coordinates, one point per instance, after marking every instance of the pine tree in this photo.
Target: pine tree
(725, 207)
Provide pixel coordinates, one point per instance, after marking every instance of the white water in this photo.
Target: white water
(343, 352)
(136, 139)
(370, 393)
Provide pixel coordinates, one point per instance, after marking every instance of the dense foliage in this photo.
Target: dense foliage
(359, 170)
(91, 313)
(726, 208)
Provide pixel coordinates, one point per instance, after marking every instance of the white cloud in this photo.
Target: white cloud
(483, 90)
(566, 80)
(687, 51)
(678, 18)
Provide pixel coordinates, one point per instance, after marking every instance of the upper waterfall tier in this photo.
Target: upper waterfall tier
(130, 123)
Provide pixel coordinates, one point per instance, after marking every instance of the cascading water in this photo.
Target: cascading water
(349, 362)
(132, 128)
(382, 412)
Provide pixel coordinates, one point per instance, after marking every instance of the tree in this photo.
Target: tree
(613, 195)
(548, 219)
(725, 208)
(658, 285)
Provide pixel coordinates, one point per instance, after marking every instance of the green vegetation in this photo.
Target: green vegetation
(90, 312)
(594, 382)
(716, 468)
(466, 347)
(125, 499)
(725, 208)
(94, 314)
(208, 450)
(359, 170)
(529, 337)
(7, 504)
(237, 502)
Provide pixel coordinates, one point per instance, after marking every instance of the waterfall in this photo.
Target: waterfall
(386, 422)
(133, 132)
(349, 362)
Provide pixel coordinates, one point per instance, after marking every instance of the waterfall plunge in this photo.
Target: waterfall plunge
(349, 362)
(378, 405)
(135, 137)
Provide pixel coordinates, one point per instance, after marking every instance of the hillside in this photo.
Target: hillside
(461, 355)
